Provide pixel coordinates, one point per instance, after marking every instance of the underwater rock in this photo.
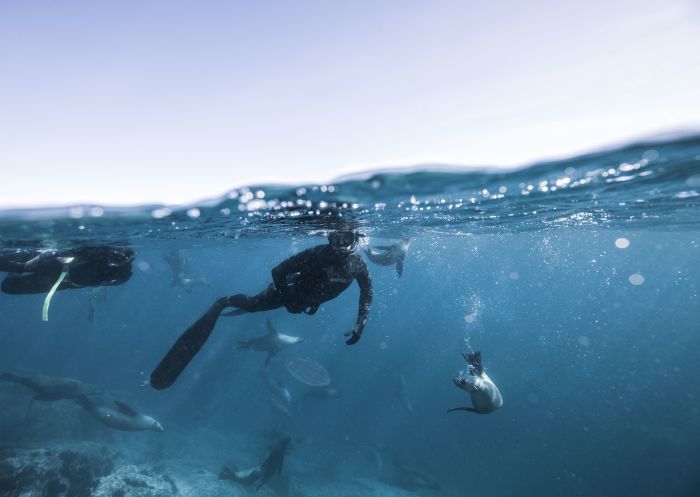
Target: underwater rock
(136, 481)
(53, 472)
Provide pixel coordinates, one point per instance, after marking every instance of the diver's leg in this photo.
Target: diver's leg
(266, 300)
(186, 347)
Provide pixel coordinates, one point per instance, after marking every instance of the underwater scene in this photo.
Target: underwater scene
(430, 332)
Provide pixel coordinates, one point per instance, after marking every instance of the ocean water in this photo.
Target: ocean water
(577, 280)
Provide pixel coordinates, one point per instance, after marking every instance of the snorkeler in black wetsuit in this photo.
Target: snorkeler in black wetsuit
(37, 271)
(300, 284)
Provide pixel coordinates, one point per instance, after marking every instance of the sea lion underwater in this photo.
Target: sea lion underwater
(272, 343)
(122, 418)
(387, 255)
(281, 397)
(484, 393)
(50, 388)
(260, 474)
(176, 260)
(402, 393)
(412, 479)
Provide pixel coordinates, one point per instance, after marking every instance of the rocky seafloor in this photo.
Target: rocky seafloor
(86, 469)
(57, 450)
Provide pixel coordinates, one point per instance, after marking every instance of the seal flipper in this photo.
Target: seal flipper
(186, 347)
(474, 360)
(271, 330)
(470, 409)
(279, 469)
(125, 409)
(227, 474)
(399, 267)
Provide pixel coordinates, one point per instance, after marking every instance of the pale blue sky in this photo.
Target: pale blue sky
(163, 101)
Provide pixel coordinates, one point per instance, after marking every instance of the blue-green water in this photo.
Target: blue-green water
(577, 280)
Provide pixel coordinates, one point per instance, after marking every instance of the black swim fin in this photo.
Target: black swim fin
(186, 347)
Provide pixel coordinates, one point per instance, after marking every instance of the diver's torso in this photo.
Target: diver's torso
(329, 275)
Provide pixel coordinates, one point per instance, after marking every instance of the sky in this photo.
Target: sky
(130, 102)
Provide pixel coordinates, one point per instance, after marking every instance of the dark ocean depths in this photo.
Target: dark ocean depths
(577, 280)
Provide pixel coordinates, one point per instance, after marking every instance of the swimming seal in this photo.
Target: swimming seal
(261, 473)
(49, 388)
(280, 396)
(271, 343)
(484, 393)
(387, 255)
(122, 418)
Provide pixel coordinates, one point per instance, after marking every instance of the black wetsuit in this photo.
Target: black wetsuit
(306, 280)
(91, 266)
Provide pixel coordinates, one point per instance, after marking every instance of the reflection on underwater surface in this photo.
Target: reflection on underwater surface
(583, 301)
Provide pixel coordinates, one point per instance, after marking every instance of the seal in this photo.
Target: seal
(402, 393)
(50, 388)
(413, 479)
(280, 397)
(484, 393)
(388, 255)
(122, 418)
(260, 474)
(177, 261)
(272, 343)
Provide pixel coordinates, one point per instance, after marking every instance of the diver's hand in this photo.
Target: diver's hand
(355, 334)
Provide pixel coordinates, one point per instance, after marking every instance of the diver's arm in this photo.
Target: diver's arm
(365, 282)
(20, 261)
(10, 266)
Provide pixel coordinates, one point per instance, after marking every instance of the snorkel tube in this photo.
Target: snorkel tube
(47, 301)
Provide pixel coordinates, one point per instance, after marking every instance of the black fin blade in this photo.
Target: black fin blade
(125, 409)
(186, 347)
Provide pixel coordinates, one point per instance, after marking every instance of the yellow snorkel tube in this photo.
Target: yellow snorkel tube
(47, 301)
